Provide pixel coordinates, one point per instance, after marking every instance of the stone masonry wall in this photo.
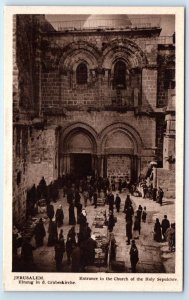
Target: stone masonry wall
(149, 87)
(34, 153)
(166, 180)
(58, 78)
(26, 98)
(42, 156)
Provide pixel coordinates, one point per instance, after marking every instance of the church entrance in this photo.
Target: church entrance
(81, 164)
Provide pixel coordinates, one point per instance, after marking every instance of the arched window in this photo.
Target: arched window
(119, 75)
(81, 73)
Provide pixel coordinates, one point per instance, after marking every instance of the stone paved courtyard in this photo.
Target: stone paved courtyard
(153, 257)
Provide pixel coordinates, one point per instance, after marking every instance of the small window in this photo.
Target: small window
(81, 73)
(119, 75)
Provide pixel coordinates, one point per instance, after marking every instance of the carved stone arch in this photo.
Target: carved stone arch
(78, 56)
(131, 133)
(81, 50)
(72, 130)
(126, 49)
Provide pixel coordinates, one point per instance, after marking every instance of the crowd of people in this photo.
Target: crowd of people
(165, 231)
(80, 247)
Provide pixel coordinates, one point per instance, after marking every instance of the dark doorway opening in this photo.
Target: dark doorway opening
(82, 164)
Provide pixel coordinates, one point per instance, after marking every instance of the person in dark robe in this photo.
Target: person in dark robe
(72, 234)
(59, 216)
(70, 243)
(129, 212)
(79, 210)
(72, 220)
(82, 220)
(77, 198)
(128, 202)
(27, 255)
(69, 248)
(43, 188)
(95, 197)
(129, 222)
(90, 250)
(59, 251)
(76, 259)
(144, 215)
(113, 184)
(113, 248)
(111, 201)
(39, 233)
(50, 211)
(154, 194)
(70, 196)
(165, 224)
(117, 202)
(53, 233)
(157, 231)
(160, 196)
(111, 221)
(134, 256)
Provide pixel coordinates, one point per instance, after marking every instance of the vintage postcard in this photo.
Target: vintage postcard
(94, 141)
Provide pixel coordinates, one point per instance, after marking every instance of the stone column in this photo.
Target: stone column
(154, 176)
(102, 166)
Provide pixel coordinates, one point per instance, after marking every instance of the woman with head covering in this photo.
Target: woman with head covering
(157, 231)
(59, 250)
(72, 220)
(39, 233)
(59, 216)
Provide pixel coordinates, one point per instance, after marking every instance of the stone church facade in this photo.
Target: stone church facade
(91, 100)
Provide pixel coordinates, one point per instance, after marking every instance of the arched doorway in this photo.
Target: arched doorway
(120, 146)
(78, 153)
(80, 148)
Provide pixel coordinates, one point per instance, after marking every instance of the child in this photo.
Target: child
(144, 214)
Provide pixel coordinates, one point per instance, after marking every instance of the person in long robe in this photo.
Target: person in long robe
(70, 243)
(53, 233)
(50, 211)
(128, 202)
(134, 257)
(27, 255)
(90, 245)
(111, 221)
(111, 201)
(39, 233)
(59, 251)
(76, 259)
(165, 224)
(157, 231)
(59, 216)
(117, 202)
(72, 220)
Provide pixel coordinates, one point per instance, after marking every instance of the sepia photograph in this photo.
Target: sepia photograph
(94, 127)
